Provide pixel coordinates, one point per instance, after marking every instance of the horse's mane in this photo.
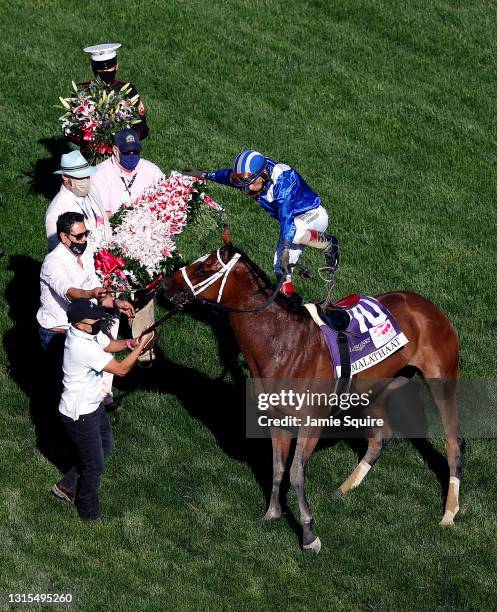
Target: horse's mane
(267, 284)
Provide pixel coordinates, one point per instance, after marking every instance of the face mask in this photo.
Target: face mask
(107, 77)
(129, 162)
(78, 248)
(95, 327)
(80, 188)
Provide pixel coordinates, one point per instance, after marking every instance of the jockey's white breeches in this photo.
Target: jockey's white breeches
(315, 219)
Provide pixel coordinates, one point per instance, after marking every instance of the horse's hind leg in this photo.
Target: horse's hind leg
(305, 446)
(376, 444)
(444, 393)
(281, 441)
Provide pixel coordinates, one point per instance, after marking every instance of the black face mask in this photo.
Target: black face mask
(95, 327)
(107, 77)
(78, 248)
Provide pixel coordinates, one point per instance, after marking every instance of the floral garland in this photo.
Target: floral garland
(94, 114)
(143, 245)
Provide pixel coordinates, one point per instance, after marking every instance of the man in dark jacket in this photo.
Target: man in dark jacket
(105, 65)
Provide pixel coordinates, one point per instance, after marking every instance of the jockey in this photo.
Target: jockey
(284, 194)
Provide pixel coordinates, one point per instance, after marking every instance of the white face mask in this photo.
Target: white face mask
(80, 187)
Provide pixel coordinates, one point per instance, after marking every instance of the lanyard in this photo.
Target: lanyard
(128, 186)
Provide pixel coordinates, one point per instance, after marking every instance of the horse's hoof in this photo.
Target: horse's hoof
(315, 546)
(447, 519)
(338, 493)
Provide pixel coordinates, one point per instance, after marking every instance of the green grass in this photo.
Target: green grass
(387, 108)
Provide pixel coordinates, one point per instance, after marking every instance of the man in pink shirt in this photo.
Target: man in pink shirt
(119, 180)
(124, 176)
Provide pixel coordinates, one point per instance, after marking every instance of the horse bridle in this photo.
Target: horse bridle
(197, 289)
(223, 273)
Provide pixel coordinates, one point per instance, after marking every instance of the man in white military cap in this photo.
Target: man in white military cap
(105, 65)
(77, 194)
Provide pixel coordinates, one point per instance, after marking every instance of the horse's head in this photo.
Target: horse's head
(205, 277)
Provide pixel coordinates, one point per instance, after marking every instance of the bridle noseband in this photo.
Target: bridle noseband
(222, 273)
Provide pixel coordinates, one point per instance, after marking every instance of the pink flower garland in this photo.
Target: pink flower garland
(151, 223)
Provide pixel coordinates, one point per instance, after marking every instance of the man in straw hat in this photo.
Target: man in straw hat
(77, 195)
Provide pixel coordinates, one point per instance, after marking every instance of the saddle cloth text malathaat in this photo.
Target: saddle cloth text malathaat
(372, 334)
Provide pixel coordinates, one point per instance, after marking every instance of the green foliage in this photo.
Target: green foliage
(118, 216)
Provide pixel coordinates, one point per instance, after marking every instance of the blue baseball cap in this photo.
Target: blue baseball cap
(127, 140)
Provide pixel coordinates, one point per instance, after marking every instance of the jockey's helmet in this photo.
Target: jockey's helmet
(247, 168)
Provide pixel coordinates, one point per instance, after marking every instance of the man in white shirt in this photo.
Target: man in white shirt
(68, 273)
(77, 195)
(87, 355)
(120, 180)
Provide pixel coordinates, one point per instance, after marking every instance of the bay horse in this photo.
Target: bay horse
(278, 343)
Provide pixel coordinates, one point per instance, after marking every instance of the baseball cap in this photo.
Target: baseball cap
(127, 140)
(84, 309)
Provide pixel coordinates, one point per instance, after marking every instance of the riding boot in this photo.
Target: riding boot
(332, 253)
(327, 244)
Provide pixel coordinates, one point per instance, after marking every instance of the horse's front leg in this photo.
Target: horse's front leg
(306, 443)
(281, 440)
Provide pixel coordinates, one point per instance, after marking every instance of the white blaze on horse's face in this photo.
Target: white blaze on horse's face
(222, 273)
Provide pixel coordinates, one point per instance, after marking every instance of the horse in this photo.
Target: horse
(268, 333)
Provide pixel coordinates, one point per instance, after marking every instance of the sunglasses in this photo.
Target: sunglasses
(81, 235)
(125, 153)
(243, 179)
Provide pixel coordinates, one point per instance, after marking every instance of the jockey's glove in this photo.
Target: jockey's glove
(193, 172)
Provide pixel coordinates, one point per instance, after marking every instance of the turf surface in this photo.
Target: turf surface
(387, 109)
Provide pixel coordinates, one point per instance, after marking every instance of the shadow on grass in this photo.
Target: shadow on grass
(28, 365)
(42, 179)
(219, 404)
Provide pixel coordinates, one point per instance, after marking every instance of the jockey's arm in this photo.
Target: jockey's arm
(221, 176)
(285, 192)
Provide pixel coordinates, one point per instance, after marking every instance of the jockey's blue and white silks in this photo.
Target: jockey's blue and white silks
(284, 196)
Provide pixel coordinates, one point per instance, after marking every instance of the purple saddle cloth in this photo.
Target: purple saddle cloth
(376, 336)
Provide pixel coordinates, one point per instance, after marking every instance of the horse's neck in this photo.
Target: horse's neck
(268, 339)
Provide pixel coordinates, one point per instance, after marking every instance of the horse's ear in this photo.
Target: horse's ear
(227, 236)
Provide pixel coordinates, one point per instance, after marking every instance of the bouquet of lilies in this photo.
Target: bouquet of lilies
(143, 246)
(94, 114)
